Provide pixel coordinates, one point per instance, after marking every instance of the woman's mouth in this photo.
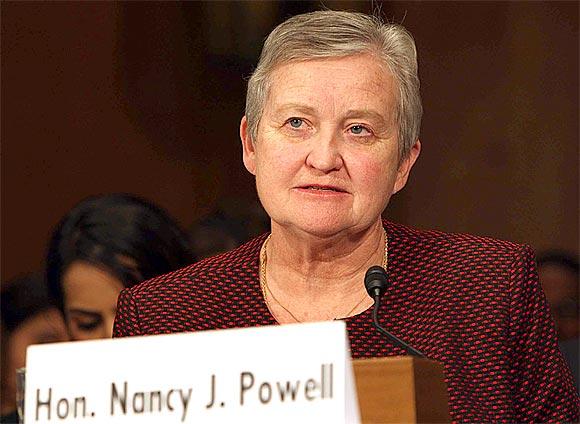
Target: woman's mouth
(321, 189)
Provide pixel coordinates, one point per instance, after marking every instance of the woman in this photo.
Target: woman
(331, 133)
(28, 317)
(104, 244)
(558, 272)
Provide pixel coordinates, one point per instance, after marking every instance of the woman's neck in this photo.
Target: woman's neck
(327, 273)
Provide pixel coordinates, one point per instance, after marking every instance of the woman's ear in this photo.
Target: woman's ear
(405, 167)
(248, 150)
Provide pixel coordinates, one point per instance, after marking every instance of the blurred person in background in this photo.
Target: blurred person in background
(28, 317)
(104, 244)
(215, 234)
(228, 227)
(559, 274)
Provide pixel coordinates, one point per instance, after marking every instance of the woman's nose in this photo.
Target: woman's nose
(324, 154)
(108, 326)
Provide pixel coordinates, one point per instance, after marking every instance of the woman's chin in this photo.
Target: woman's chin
(320, 226)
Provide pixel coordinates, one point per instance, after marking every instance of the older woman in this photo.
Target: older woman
(331, 133)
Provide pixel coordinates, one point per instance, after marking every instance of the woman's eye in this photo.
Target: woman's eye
(295, 122)
(359, 130)
(88, 325)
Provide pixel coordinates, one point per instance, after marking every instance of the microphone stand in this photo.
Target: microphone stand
(398, 342)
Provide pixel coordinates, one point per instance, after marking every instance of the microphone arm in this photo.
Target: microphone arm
(376, 284)
(394, 339)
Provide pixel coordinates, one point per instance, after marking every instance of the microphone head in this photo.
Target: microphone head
(376, 281)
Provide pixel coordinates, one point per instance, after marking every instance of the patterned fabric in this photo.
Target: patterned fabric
(472, 303)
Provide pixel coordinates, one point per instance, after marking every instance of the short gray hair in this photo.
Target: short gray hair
(330, 34)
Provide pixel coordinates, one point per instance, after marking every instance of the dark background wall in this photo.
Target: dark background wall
(146, 98)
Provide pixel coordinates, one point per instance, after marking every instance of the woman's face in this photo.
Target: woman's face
(326, 155)
(90, 301)
(45, 326)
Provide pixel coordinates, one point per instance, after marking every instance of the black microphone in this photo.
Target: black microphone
(376, 284)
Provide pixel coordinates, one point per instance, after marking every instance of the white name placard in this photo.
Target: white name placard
(282, 374)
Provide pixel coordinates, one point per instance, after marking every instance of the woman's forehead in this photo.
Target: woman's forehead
(348, 83)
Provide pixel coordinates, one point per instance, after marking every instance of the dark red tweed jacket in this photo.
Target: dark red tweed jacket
(472, 303)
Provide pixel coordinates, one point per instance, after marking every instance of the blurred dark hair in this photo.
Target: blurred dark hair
(558, 257)
(23, 298)
(126, 236)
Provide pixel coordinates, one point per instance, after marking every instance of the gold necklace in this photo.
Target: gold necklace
(266, 289)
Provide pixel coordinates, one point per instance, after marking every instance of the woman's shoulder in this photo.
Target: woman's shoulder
(408, 237)
(210, 273)
(216, 292)
(438, 251)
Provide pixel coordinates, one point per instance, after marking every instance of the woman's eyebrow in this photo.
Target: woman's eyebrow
(298, 107)
(366, 114)
(85, 312)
